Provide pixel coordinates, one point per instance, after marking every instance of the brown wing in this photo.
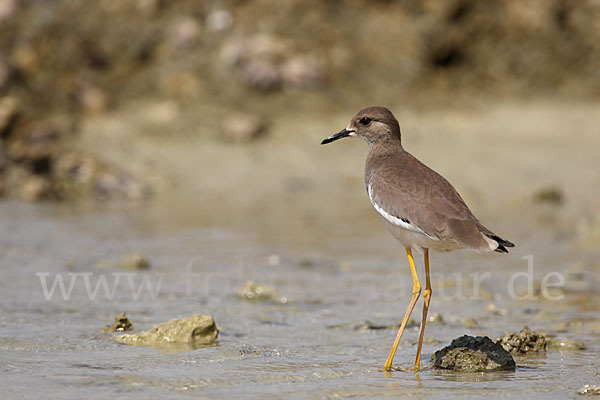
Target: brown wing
(409, 190)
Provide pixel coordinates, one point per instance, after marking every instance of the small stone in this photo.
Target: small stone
(199, 330)
(242, 128)
(134, 261)
(495, 310)
(468, 353)
(121, 324)
(589, 390)
(524, 342)
(564, 345)
(253, 291)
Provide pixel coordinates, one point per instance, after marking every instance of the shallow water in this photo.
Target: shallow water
(309, 347)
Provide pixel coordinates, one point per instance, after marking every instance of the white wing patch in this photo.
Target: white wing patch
(405, 224)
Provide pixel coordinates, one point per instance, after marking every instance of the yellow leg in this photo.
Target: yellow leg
(415, 295)
(426, 300)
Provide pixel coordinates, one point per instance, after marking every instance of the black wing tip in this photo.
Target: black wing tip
(501, 249)
(502, 244)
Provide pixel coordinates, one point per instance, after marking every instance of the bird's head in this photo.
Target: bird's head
(374, 125)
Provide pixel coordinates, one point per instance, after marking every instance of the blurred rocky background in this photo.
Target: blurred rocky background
(83, 85)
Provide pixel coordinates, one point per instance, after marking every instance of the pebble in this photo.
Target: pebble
(253, 291)
(121, 324)
(134, 261)
(589, 390)
(196, 331)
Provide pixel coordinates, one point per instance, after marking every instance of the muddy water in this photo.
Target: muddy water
(291, 214)
(315, 345)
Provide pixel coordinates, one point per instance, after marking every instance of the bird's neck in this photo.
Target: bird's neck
(386, 146)
(381, 154)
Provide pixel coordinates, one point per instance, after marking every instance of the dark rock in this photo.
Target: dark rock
(524, 342)
(468, 353)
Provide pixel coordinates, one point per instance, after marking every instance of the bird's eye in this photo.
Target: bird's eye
(365, 121)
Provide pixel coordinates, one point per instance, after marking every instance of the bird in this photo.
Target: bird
(419, 207)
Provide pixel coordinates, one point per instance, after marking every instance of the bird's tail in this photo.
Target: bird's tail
(502, 243)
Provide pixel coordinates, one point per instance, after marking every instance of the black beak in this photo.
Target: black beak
(341, 134)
